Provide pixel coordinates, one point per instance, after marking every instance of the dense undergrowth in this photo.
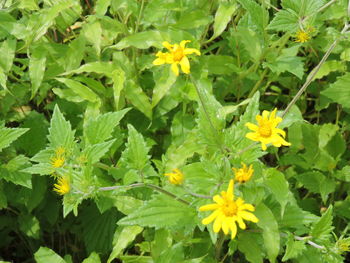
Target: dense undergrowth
(174, 131)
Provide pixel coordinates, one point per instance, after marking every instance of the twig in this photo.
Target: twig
(314, 72)
(309, 242)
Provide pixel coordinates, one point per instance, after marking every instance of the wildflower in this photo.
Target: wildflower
(177, 55)
(243, 174)
(63, 186)
(343, 245)
(303, 36)
(228, 211)
(266, 131)
(176, 177)
(57, 161)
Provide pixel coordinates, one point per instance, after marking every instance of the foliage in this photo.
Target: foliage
(85, 109)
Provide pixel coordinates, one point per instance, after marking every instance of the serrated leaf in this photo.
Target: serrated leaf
(135, 156)
(222, 17)
(248, 242)
(29, 225)
(94, 153)
(161, 211)
(293, 248)
(143, 40)
(127, 204)
(98, 67)
(37, 65)
(258, 14)
(252, 110)
(323, 228)
(8, 135)
(41, 169)
(118, 78)
(284, 20)
(7, 54)
(45, 255)
(271, 233)
(60, 131)
(339, 91)
(328, 67)
(3, 79)
(122, 238)
(100, 129)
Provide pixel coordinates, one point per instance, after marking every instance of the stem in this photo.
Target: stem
(313, 73)
(198, 195)
(151, 186)
(139, 16)
(243, 150)
(309, 242)
(218, 246)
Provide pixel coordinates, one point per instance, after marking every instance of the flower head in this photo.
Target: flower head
(177, 55)
(176, 177)
(266, 131)
(57, 161)
(60, 151)
(243, 174)
(343, 245)
(63, 186)
(303, 36)
(228, 211)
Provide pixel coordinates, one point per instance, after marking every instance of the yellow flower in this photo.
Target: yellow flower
(302, 36)
(176, 177)
(63, 186)
(228, 211)
(243, 174)
(177, 55)
(266, 131)
(57, 161)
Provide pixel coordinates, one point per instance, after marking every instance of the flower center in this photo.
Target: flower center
(57, 162)
(178, 54)
(229, 208)
(265, 130)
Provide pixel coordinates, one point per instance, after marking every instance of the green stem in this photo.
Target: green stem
(139, 16)
(218, 246)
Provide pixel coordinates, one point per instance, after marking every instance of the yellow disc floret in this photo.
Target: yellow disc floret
(243, 174)
(63, 186)
(176, 177)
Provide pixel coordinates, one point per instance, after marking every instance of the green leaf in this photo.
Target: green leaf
(94, 153)
(7, 54)
(258, 14)
(12, 171)
(278, 185)
(251, 43)
(138, 98)
(37, 65)
(29, 225)
(80, 89)
(161, 211)
(218, 64)
(118, 78)
(41, 169)
(127, 204)
(323, 227)
(292, 64)
(123, 236)
(92, 32)
(223, 17)
(164, 79)
(100, 129)
(135, 156)
(193, 19)
(143, 40)
(60, 131)
(316, 182)
(8, 135)
(98, 67)
(93, 258)
(172, 254)
(102, 6)
(248, 242)
(251, 111)
(284, 20)
(303, 7)
(293, 248)
(45, 255)
(339, 91)
(330, 66)
(271, 233)
(3, 78)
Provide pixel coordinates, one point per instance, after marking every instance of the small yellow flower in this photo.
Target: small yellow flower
(63, 186)
(266, 131)
(176, 177)
(228, 211)
(302, 36)
(57, 161)
(177, 55)
(243, 174)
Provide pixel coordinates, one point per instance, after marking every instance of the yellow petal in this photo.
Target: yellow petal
(230, 190)
(158, 61)
(218, 199)
(175, 69)
(248, 207)
(233, 229)
(185, 65)
(251, 126)
(189, 51)
(183, 43)
(167, 45)
(265, 114)
(240, 222)
(253, 136)
(225, 226)
(273, 114)
(280, 131)
(248, 216)
(263, 146)
(210, 218)
(217, 224)
(209, 207)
